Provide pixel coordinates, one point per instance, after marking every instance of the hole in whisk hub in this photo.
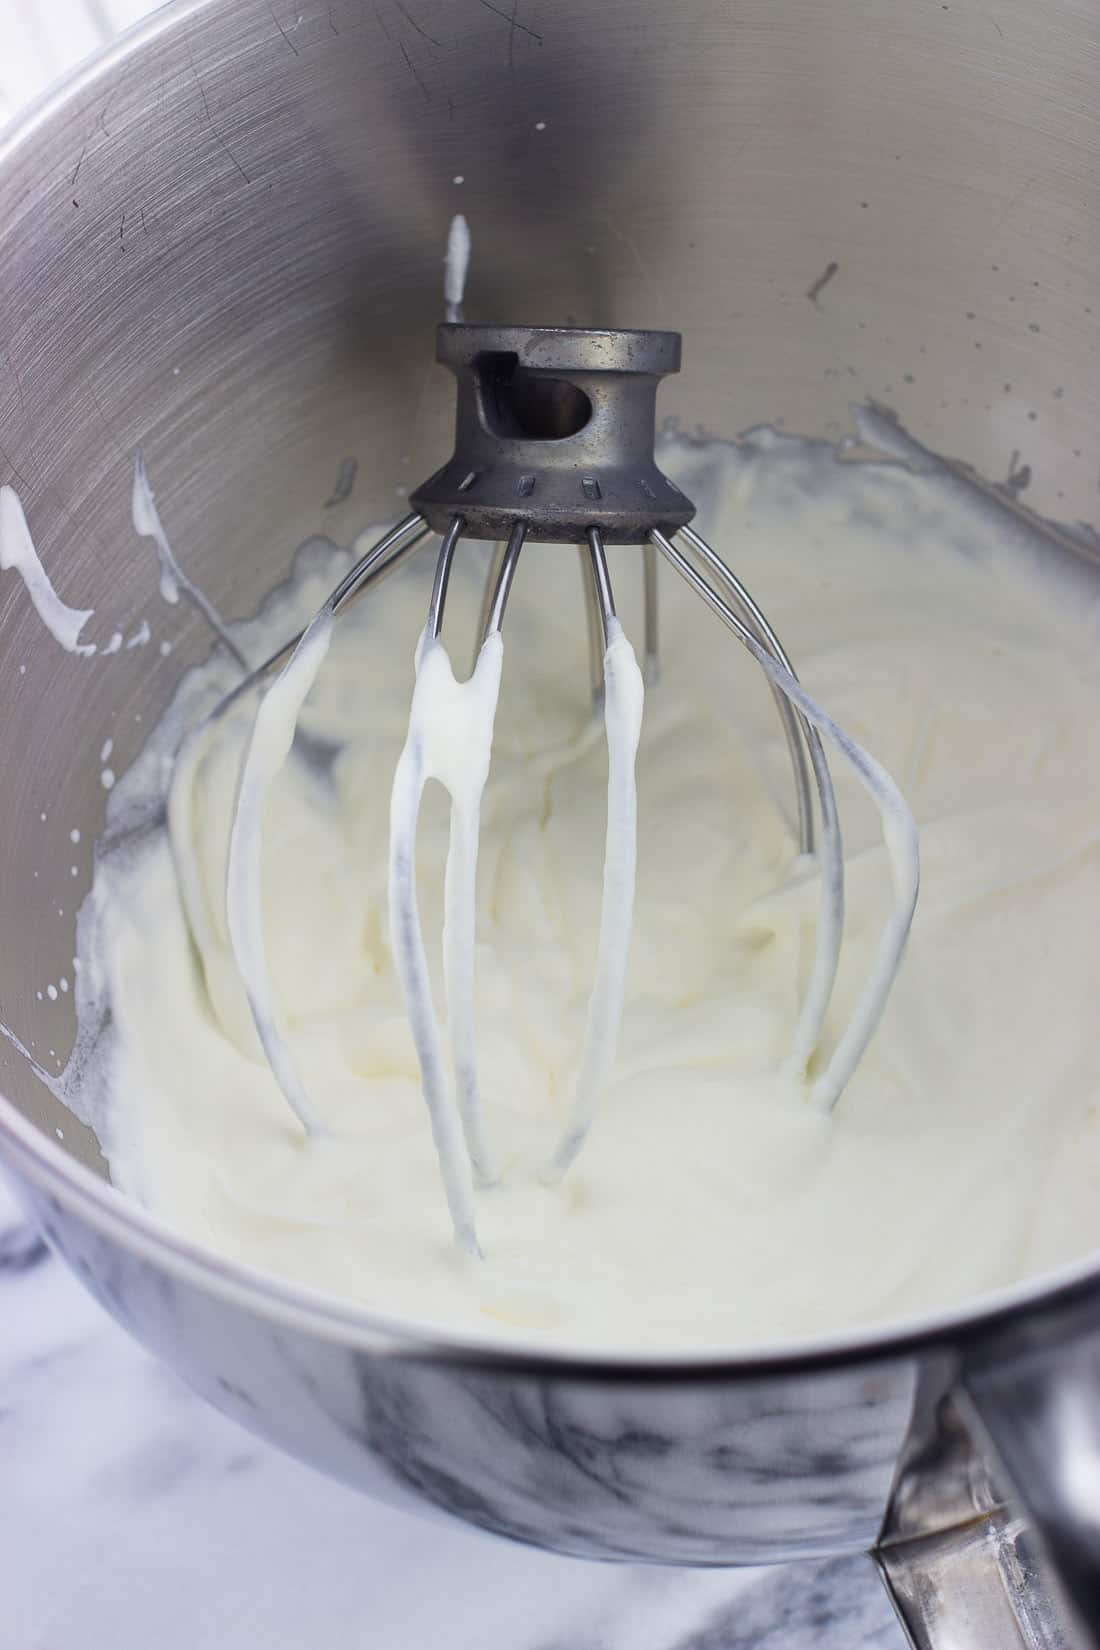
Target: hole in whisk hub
(521, 405)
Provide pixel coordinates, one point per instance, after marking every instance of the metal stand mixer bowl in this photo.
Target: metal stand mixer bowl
(220, 242)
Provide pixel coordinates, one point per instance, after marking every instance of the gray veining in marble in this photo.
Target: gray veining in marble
(133, 1515)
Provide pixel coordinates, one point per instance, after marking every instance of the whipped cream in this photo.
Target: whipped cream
(714, 1206)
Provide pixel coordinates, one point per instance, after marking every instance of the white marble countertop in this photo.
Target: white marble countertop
(134, 1517)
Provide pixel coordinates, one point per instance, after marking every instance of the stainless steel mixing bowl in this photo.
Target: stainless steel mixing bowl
(221, 241)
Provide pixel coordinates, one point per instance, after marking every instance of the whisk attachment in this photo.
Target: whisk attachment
(554, 443)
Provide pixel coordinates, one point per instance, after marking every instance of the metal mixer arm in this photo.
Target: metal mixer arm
(992, 1541)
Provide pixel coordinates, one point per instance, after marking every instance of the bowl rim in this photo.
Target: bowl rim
(165, 16)
(86, 1197)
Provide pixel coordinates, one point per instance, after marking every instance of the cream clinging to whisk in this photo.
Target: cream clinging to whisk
(554, 442)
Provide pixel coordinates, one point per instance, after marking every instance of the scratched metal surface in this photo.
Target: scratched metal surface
(43, 38)
(226, 246)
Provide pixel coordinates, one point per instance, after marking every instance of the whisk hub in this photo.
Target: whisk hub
(554, 430)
